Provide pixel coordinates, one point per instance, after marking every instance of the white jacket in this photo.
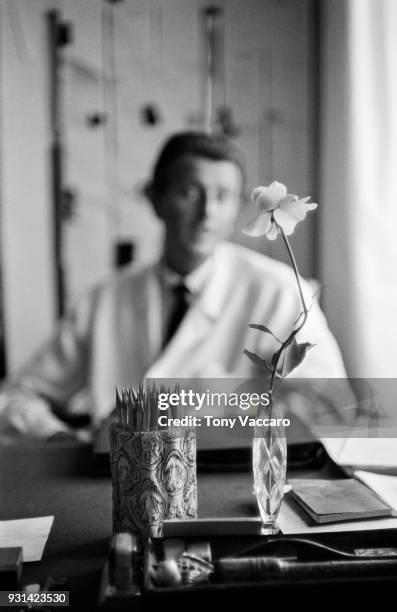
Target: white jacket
(112, 337)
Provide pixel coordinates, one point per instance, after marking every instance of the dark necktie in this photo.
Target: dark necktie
(180, 306)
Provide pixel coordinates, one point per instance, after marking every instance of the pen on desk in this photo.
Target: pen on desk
(121, 408)
(153, 409)
(118, 406)
(147, 417)
(137, 407)
(148, 409)
(139, 415)
(129, 404)
(258, 569)
(142, 411)
(134, 409)
(150, 418)
(125, 407)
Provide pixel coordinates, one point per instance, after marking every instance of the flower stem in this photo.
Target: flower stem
(292, 335)
(296, 272)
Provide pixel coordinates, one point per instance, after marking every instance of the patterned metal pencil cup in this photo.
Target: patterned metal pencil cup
(154, 477)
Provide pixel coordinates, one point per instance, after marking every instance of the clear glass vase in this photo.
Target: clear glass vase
(269, 462)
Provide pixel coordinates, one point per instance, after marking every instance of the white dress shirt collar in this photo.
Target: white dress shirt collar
(195, 281)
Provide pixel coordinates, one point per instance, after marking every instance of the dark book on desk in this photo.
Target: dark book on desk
(330, 501)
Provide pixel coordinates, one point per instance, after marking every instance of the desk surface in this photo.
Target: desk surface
(38, 480)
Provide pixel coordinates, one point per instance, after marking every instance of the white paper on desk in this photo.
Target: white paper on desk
(292, 521)
(383, 485)
(30, 533)
(365, 453)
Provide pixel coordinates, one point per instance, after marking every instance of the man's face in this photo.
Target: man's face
(199, 207)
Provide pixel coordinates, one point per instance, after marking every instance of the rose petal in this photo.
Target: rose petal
(260, 198)
(285, 220)
(256, 192)
(298, 209)
(291, 212)
(273, 232)
(290, 198)
(268, 198)
(259, 226)
(277, 190)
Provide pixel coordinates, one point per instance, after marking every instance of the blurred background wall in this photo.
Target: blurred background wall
(287, 86)
(132, 73)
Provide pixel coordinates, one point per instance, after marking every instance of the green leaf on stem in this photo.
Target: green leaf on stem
(265, 329)
(293, 356)
(258, 361)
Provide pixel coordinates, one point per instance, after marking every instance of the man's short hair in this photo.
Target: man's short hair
(210, 146)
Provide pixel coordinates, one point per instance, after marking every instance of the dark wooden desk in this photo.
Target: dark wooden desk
(38, 480)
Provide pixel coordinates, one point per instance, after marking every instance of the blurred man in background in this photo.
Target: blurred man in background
(184, 316)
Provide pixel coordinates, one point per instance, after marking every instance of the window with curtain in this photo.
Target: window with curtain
(359, 181)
